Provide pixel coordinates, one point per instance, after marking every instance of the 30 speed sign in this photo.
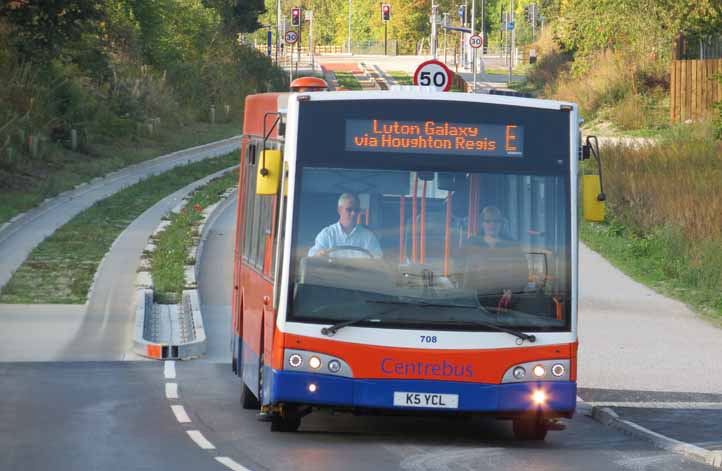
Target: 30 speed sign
(291, 37)
(475, 41)
(433, 74)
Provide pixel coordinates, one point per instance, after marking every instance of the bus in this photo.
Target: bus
(407, 252)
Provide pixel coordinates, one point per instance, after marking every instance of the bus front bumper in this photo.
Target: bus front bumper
(340, 392)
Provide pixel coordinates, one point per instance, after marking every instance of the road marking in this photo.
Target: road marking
(180, 414)
(171, 390)
(200, 440)
(660, 405)
(169, 369)
(229, 463)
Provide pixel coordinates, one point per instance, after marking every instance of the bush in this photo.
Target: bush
(674, 183)
(718, 119)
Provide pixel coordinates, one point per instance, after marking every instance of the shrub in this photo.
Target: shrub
(718, 119)
(674, 184)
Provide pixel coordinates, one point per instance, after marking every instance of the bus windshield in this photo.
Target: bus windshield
(412, 248)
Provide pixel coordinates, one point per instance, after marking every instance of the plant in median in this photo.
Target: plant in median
(170, 257)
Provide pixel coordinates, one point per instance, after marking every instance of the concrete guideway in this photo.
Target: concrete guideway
(408, 64)
(175, 331)
(102, 328)
(27, 230)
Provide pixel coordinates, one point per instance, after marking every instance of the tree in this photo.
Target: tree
(238, 16)
(42, 28)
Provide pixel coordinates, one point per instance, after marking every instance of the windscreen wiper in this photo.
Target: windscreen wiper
(330, 331)
(517, 333)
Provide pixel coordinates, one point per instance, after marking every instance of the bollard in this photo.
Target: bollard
(33, 144)
(213, 115)
(74, 139)
(228, 110)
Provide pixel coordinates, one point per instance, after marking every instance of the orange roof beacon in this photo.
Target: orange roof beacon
(308, 84)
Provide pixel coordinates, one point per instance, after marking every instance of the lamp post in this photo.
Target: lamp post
(278, 28)
(349, 26)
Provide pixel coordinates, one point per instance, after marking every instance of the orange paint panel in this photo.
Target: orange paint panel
(573, 369)
(485, 366)
(278, 345)
(269, 327)
(256, 108)
(153, 351)
(255, 287)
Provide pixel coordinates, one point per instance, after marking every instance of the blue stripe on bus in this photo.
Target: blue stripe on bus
(291, 386)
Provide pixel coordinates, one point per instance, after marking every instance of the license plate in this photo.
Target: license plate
(434, 400)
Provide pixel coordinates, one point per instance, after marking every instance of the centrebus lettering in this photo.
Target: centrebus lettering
(439, 137)
(391, 366)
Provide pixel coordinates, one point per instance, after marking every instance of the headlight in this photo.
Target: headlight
(539, 397)
(334, 366)
(295, 360)
(519, 372)
(539, 370)
(304, 361)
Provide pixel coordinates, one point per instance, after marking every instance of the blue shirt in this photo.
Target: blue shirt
(334, 236)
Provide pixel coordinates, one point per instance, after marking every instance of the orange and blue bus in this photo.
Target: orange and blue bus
(403, 252)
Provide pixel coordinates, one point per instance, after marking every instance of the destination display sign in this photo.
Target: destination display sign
(434, 137)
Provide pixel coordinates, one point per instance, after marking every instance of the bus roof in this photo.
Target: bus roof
(409, 93)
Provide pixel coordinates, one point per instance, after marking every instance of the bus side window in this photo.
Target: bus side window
(250, 190)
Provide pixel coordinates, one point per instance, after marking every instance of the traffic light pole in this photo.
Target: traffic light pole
(473, 54)
(511, 38)
(300, 30)
(386, 24)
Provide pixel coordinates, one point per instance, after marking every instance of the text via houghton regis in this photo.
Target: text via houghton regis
(434, 137)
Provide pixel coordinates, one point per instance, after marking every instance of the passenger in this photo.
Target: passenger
(347, 233)
(491, 225)
(494, 265)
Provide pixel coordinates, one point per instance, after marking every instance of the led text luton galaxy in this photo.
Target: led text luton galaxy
(432, 136)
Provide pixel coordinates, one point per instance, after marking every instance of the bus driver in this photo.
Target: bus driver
(346, 234)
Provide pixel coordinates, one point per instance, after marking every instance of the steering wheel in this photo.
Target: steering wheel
(348, 247)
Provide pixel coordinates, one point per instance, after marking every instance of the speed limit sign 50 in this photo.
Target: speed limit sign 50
(475, 41)
(433, 74)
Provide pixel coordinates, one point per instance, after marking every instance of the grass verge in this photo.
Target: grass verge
(401, 78)
(60, 270)
(61, 169)
(347, 80)
(170, 257)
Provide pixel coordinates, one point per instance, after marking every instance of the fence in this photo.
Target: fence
(698, 48)
(693, 88)
(318, 50)
(360, 47)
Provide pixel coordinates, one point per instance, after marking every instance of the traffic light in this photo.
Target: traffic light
(386, 12)
(295, 16)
